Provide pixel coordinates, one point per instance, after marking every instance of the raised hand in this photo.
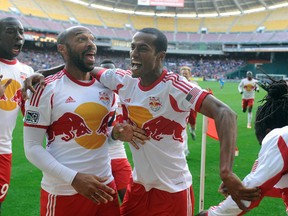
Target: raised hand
(29, 83)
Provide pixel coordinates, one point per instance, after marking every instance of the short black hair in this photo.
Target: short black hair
(161, 42)
(108, 63)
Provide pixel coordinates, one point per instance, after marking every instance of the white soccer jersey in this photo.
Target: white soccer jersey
(268, 173)
(11, 101)
(116, 147)
(161, 109)
(75, 115)
(248, 87)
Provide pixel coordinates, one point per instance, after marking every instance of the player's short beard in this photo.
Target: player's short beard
(78, 61)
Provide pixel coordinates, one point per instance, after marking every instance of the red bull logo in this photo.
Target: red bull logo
(3, 98)
(12, 97)
(154, 103)
(68, 126)
(103, 128)
(87, 125)
(103, 96)
(160, 126)
(249, 87)
(17, 97)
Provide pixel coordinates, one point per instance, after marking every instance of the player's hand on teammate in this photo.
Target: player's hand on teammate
(29, 83)
(129, 133)
(223, 190)
(239, 192)
(93, 188)
(3, 86)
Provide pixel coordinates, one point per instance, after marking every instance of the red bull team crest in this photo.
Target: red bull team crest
(154, 103)
(103, 96)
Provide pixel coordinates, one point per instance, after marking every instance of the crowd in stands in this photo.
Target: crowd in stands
(201, 67)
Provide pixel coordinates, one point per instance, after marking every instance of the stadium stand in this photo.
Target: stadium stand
(206, 36)
(5, 5)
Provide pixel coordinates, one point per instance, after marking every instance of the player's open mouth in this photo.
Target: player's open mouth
(90, 56)
(136, 65)
(17, 48)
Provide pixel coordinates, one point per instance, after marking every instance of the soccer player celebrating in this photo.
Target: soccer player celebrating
(247, 88)
(12, 74)
(159, 102)
(269, 172)
(121, 168)
(73, 111)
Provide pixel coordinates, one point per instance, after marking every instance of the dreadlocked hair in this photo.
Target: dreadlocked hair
(273, 113)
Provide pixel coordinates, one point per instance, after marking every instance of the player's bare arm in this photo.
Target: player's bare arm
(226, 125)
(93, 188)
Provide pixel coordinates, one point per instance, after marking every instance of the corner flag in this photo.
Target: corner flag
(211, 129)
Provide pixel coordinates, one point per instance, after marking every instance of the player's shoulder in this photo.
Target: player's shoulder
(275, 134)
(26, 68)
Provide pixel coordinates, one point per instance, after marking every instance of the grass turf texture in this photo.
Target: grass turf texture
(23, 195)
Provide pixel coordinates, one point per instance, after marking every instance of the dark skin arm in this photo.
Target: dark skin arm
(226, 125)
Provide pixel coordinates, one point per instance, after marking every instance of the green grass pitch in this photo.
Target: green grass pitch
(23, 195)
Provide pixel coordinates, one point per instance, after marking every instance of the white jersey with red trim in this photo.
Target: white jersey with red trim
(269, 173)
(116, 147)
(248, 87)
(161, 109)
(11, 101)
(75, 115)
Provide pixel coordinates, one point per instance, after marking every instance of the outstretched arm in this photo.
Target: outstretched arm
(51, 71)
(226, 125)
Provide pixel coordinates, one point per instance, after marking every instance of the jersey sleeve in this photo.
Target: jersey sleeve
(240, 86)
(38, 108)
(113, 78)
(36, 121)
(188, 95)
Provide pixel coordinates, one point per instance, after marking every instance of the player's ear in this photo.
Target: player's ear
(61, 48)
(161, 55)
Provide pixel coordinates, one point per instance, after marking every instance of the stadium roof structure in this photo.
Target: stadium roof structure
(192, 8)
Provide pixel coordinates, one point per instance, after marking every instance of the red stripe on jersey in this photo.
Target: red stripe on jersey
(179, 84)
(36, 96)
(35, 126)
(119, 87)
(174, 104)
(54, 77)
(266, 187)
(122, 72)
(255, 165)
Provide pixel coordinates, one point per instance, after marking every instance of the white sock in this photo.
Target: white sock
(249, 117)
